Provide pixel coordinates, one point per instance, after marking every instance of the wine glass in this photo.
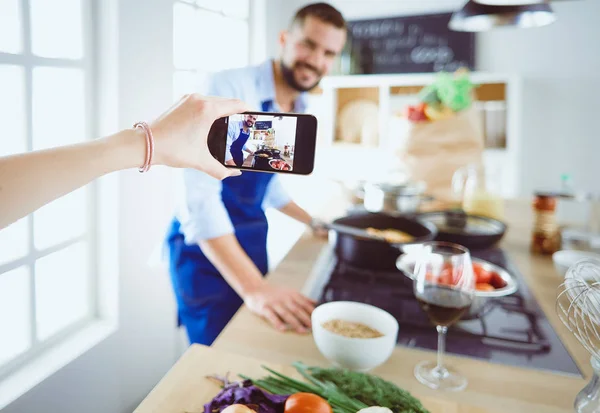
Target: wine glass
(444, 286)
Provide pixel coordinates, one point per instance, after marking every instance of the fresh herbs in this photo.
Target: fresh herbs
(278, 383)
(369, 389)
(346, 391)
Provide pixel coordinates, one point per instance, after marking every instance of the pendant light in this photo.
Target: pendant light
(509, 2)
(476, 17)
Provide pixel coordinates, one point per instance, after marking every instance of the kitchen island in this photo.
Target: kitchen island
(247, 343)
(492, 387)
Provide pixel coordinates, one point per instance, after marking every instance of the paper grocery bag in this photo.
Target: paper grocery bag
(433, 151)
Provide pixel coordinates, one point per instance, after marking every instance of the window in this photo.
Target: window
(46, 259)
(201, 46)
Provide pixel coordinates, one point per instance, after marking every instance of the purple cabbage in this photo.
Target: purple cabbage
(245, 393)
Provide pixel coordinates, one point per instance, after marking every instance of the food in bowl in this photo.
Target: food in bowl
(262, 155)
(485, 280)
(280, 165)
(351, 329)
(354, 353)
(393, 236)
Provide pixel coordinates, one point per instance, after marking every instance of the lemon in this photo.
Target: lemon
(438, 113)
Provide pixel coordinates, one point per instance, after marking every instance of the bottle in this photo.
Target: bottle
(477, 192)
(546, 232)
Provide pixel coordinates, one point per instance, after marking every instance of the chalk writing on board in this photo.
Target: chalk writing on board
(410, 44)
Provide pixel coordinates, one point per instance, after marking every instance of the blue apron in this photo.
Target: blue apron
(237, 147)
(205, 301)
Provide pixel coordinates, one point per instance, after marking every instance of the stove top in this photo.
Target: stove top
(508, 330)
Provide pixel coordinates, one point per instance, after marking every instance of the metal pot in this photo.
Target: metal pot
(395, 199)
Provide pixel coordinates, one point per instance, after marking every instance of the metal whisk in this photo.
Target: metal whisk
(578, 307)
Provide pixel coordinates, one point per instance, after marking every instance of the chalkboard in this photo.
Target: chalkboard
(409, 44)
(263, 125)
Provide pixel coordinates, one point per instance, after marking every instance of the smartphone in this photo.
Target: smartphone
(265, 142)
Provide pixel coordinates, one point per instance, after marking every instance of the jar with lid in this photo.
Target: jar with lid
(546, 233)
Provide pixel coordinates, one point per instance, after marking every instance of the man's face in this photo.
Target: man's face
(249, 120)
(309, 50)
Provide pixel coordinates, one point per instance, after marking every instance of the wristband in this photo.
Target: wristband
(149, 146)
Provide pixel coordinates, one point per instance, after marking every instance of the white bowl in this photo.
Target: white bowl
(565, 259)
(359, 354)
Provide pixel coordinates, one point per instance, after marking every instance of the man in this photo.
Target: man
(238, 134)
(218, 253)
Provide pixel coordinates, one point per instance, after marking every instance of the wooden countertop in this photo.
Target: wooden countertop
(492, 387)
(248, 342)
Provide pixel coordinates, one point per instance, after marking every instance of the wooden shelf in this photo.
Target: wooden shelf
(346, 96)
(393, 92)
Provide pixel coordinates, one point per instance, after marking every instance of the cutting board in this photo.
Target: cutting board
(185, 388)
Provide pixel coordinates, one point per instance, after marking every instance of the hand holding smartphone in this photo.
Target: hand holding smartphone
(265, 142)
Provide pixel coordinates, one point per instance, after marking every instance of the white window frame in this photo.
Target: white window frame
(42, 359)
(253, 5)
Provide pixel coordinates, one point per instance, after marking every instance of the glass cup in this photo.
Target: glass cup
(444, 286)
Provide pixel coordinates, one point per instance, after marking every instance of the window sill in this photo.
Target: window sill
(52, 360)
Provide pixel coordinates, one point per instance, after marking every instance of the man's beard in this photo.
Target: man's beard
(288, 75)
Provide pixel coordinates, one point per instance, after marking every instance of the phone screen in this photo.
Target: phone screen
(262, 142)
(267, 142)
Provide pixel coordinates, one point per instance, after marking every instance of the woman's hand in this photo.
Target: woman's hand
(180, 134)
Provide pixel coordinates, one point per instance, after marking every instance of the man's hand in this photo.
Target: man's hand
(319, 229)
(282, 307)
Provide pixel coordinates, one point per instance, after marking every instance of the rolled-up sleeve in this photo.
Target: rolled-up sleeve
(276, 195)
(204, 215)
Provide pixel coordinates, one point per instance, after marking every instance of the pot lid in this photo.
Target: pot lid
(404, 189)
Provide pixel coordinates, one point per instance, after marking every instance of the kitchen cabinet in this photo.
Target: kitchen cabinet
(374, 106)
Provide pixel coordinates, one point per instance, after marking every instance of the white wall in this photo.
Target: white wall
(117, 374)
(560, 65)
(285, 131)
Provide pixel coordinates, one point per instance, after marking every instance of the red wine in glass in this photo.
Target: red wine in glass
(443, 305)
(444, 287)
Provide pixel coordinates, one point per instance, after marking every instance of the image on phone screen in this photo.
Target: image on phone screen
(262, 142)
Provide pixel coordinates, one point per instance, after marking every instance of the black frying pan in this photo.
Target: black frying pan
(373, 253)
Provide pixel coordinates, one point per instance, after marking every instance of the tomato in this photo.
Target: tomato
(484, 287)
(429, 277)
(497, 281)
(306, 403)
(481, 275)
(446, 277)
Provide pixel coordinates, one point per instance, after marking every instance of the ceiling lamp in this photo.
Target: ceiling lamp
(509, 2)
(476, 17)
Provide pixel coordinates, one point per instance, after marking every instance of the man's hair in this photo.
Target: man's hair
(322, 11)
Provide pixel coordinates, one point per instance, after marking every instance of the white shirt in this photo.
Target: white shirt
(201, 212)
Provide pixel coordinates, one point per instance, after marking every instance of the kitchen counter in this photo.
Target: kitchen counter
(492, 387)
